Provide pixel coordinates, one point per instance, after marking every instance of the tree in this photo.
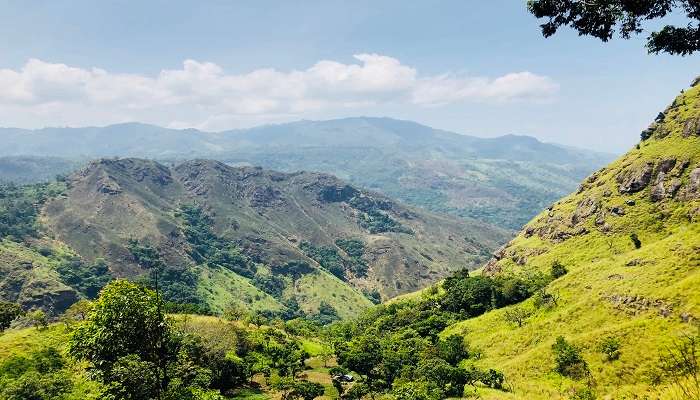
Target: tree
(610, 347)
(307, 390)
(557, 270)
(517, 315)
(361, 355)
(125, 321)
(603, 18)
(8, 313)
(569, 360)
(79, 311)
(38, 319)
(453, 349)
(681, 363)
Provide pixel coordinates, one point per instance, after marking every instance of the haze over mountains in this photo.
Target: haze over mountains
(504, 180)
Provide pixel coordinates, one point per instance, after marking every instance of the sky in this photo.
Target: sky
(473, 67)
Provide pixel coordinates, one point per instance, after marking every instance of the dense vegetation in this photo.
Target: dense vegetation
(329, 258)
(19, 207)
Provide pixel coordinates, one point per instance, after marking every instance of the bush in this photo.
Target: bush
(569, 361)
(584, 393)
(635, 241)
(8, 313)
(87, 279)
(557, 270)
(681, 364)
(610, 348)
(306, 390)
(516, 315)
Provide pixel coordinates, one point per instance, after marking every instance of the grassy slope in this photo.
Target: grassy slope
(601, 265)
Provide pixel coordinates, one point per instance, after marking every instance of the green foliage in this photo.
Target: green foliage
(209, 248)
(38, 319)
(177, 285)
(295, 268)
(569, 361)
(474, 295)
(610, 348)
(517, 315)
(635, 240)
(416, 390)
(19, 208)
(269, 283)
(87, 279)
(557, 270)
(680, 364)
(376, 221)
(8, 313)
(602, 20)
(326, 314)
(373, 295)
(125, 321)
(306, 390)
(327, 257)
(39, 376)
(353, 247)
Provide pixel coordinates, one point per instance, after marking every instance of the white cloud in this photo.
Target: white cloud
(201, 92)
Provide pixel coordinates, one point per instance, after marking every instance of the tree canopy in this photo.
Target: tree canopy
(602, 19)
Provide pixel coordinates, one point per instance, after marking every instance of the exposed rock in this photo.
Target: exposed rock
(630, 202)
(667, 165)
(687, 317)
(617, 210)
(635, 181)
(334, 194)
(615, 277)
(600, 219)
(109, 186)
(633, 305)
(691, 127)
(585, 209)
(693, 188)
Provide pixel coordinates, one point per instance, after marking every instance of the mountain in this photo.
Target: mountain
(616, 267)
(264, 239)
(28, 169)
(504, 180)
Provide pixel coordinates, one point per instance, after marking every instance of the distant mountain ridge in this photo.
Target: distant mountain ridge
(504, 180)
(134, 138)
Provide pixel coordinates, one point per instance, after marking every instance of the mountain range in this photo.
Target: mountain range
(503, 181)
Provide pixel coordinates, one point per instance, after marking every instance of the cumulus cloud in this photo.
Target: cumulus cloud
(201, 92)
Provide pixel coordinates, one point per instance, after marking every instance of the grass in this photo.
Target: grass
(640, 296)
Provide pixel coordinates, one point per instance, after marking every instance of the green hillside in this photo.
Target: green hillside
(597, 297)
(644, 294)
(288, 244)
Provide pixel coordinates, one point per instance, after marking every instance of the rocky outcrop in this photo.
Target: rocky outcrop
(633, 181)
(691, 128)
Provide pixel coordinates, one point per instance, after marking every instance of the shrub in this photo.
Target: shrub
(635, 241)
(8, 313)
(544, 299)
(569, 360)
(584, 393)
(681, 364)
(516, 315)
(493, 379)
(610, 348)
(307, 390)
(557, 270)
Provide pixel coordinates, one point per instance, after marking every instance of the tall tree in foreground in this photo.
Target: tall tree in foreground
(603, 18)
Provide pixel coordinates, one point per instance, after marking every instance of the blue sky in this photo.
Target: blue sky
(473, 67)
